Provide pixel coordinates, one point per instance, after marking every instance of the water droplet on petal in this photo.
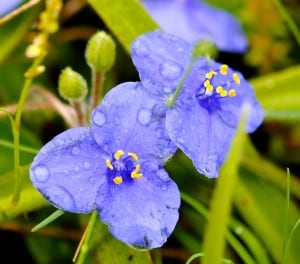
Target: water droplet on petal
(59, 142)
(164, 187)
(181, 140)
(144, 116)
(99, 118)
(86, 165)
(66, 172)
(141, 48)
(170, 70)
(60, 197)
(167, 89)
(41, 173)
(76, 169)
(75, 151)
(163, 175)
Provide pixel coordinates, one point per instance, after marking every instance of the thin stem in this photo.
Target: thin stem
(84, 247)
(97, 88)
(286, 220)
(7, 144)
(80, 113)
(48, 220)
(289, 21)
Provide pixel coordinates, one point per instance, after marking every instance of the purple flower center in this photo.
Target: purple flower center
(219, 84)
(123, 167)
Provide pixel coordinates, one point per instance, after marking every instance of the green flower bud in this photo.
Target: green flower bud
(205, 48)
(100, 52)
(72, 86)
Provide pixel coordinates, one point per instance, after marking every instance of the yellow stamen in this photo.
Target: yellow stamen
(208, 86)
(118, 180)
(109, 165)
(223, 69)
(135, 173)
(232, 92)
(236, 78)
(119, 154)
(133, 155)
(219, 89)
(210, 74)
(224, 93)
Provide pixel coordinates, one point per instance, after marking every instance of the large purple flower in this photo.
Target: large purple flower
(201, 119)
(195, 20)
(114, 167)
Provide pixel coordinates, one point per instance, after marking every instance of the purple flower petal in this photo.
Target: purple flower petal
(195, 20)
(141, 212)
(8, 5)
(161, 60)
(69, 170)
(129, 119)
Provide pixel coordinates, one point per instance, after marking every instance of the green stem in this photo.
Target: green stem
(97, 88)
(172, 100)
(26, 149)
(286, 222)
(290, 22)
(48, 220)
(85, 246)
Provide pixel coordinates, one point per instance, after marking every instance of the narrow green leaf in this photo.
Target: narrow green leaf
(214, 236)
(126, 21)
(56, 214)
(30, 199)
(279, 94)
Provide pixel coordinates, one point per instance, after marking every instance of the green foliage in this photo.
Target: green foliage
(249, 220)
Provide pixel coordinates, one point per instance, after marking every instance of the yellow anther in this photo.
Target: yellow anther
(118, 180)
(232, 92)
(208, 86)
(224, 93)
(210, 74)
(135, 173)
(119, 153)
(236, 78)
(219, 89)
(223, 69)
(108, 164)
(133, 155)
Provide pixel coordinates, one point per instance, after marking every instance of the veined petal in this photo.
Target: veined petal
(195, 20)
(144, 212)
(131, 120)
(161, 60)
(69, 170)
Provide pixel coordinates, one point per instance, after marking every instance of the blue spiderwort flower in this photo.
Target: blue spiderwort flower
(7, 6)
(114, 167)
(195, 20)
(201, 118)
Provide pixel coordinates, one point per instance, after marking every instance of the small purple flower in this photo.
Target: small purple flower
(114, 167)
(8, 5)
(203, 119)
(195, 20)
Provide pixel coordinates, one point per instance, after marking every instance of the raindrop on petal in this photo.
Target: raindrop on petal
(60, 197)
(170, 70)
(144, 116)
(141, 48)
(86, 165)
(163, 175)
(76, 169)
(99, 118)
(75, 151)
(164, 187)
(41, 173)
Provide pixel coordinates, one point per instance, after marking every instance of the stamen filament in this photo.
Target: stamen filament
(108, 164)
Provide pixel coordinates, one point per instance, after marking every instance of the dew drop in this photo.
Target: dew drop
(167, 89)
(144, 116)
(41, 173)
(99, 118)
(75, 151)
(86, 165)
(59, 142)
(163, 175)
(170, 70)
(60, 197)
(66, 172)
(141, 48)
(164, 187)
(76, 169)
(181, 140)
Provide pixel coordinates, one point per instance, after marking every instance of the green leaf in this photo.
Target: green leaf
(279, 94)
(214, 236)
(262, 206)
(14, 30)
(30, 200)
(126, 21)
